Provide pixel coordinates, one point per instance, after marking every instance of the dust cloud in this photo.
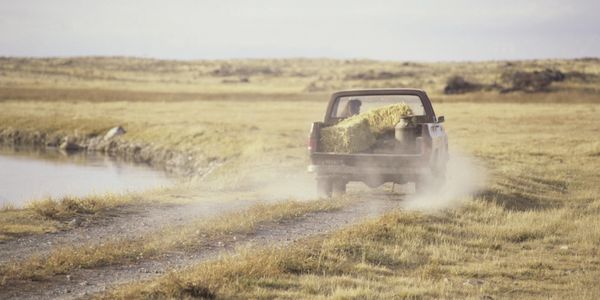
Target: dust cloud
(269, 183)
(464, 178)
(294, 185)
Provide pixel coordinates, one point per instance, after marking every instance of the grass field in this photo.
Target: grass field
(532, 231)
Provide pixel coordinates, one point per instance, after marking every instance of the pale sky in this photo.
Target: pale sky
(391, 30)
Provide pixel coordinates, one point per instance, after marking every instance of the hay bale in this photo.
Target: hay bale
(349, 136)
(385, 118)
(359, 133)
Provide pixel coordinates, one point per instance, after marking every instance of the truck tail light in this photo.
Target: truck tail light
(312, 144)
(313, 137)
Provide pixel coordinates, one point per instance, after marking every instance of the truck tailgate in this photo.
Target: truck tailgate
(368, 159)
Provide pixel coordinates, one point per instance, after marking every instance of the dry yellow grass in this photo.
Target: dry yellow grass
(105, 78)
(532, 232)
(17, 222)
(51, 215)
(54, 214)
(68, 207)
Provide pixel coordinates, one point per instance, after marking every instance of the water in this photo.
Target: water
(27, 175)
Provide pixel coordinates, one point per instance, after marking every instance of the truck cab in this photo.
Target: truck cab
(417, 153)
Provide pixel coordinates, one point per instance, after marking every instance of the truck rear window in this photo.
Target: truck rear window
(352, 105)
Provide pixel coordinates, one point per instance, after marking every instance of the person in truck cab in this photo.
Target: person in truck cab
(352, 108)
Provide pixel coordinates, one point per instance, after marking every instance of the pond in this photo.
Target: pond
(27, 174)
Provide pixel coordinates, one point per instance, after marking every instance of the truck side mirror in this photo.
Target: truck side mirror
(441, 119)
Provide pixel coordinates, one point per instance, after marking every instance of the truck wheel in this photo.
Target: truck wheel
(339, 187)
(324, 187)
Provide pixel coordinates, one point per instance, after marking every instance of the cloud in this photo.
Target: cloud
(400, 30)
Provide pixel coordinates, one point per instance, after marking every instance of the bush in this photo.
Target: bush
(536, 81)
(458, 85)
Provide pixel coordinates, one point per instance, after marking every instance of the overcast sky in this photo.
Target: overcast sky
(395, 30)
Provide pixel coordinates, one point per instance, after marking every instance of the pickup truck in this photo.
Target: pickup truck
(417, 153)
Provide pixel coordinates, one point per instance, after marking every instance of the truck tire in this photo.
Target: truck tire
(339, 187)
(324, 187)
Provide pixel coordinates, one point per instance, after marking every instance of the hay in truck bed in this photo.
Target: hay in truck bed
(407, 144)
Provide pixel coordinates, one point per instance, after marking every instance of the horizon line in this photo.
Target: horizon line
(297, 58)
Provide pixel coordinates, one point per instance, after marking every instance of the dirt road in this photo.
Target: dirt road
(83, 283)
(125, 223)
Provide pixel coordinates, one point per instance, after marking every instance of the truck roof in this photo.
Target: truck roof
(379, 92)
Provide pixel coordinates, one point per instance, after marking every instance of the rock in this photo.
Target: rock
(95, 143)
(53, 142)
(114, 132)
(69, 146)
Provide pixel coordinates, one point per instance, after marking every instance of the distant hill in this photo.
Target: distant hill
(130, 78)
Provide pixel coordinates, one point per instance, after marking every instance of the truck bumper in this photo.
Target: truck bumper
(351, 170)
(371, 176)
(372, 169)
